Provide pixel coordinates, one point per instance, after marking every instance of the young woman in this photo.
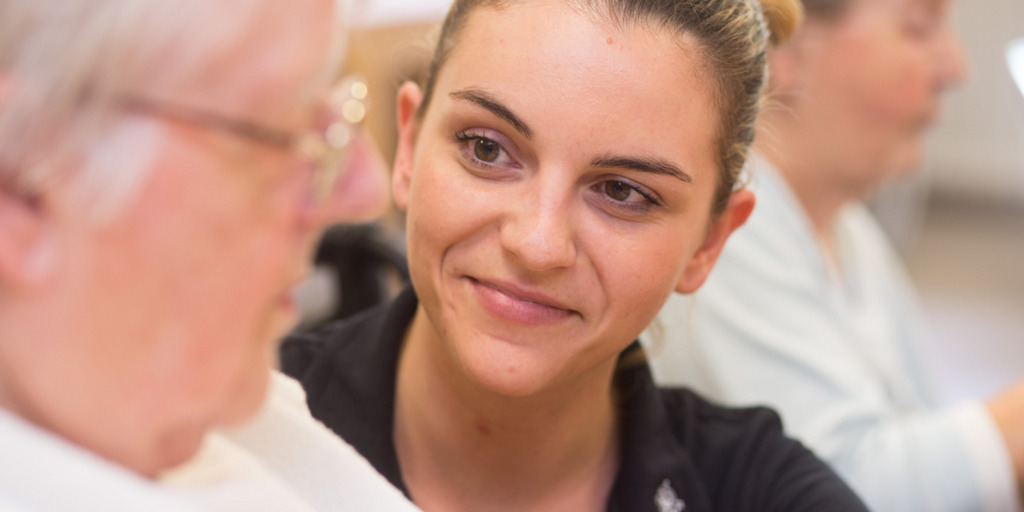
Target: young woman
(809, 309)
(567, 166)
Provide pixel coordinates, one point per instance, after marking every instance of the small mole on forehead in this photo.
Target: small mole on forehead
(610, 40)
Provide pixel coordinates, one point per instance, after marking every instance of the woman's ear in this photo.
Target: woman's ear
(738, 210)
(409, 98)
(27, 241)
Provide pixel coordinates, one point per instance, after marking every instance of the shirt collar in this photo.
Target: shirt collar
(655, 473)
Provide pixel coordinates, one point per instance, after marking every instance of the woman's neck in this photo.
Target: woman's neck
(815, 180)
(461, 447)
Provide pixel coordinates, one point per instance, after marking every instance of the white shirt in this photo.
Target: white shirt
(836, 353)
(282, 460)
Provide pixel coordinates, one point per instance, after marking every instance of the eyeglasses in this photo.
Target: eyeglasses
(324, 148)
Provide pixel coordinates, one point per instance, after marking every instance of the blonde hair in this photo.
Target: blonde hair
(65, 66)
(733, 34)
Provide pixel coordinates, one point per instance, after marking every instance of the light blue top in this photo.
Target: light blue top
(835, 351)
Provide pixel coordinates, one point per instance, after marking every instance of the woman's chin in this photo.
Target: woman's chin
(508, 370)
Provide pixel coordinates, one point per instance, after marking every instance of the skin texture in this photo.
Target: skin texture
(854, 98)
(135, 336)
(536, 256)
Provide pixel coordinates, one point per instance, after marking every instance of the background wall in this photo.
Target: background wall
(375, 13)
(978, 150)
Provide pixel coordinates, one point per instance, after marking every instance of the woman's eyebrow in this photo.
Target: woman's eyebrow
(643, 164)
(489, 102)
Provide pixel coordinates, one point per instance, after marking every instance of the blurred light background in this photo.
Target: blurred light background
(1015, 60)
(963, 236)
(959, 222)
(380, 13)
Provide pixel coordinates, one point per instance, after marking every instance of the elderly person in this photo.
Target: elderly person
(165, 172)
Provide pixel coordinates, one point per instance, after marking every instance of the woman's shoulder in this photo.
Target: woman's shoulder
(301, 350)
(748, 461)
(341, 342)
(711, 428)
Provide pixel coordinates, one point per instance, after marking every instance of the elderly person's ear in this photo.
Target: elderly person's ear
(26, 251)
(27, 245)
(26, 240)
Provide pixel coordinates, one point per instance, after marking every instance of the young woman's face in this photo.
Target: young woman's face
(558, 189)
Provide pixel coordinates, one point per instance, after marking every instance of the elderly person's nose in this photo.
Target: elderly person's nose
(361, 192)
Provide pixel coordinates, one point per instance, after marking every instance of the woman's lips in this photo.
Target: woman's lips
(515, 305)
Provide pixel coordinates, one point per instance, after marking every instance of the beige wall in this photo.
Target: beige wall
(386, 57)
(978, 150)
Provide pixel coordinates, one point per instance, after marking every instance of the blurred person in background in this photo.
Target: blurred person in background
(566, 166)
(164, 177)
(810, 310)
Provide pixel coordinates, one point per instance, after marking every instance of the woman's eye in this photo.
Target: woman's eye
(484, 151)
(617, 190)
(487, 150)
(625, 196)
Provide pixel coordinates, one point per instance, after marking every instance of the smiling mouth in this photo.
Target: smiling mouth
(518, 306)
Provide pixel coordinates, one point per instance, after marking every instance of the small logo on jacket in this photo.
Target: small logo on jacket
(666, 499)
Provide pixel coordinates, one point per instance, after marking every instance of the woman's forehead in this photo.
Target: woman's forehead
(560, 71)
(552, 45)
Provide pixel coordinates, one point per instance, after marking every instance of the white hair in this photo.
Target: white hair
(65, 66)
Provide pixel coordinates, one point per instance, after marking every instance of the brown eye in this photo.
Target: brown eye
(617, 190)
(487, 150)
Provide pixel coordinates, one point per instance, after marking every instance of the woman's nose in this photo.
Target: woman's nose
(539, 232)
